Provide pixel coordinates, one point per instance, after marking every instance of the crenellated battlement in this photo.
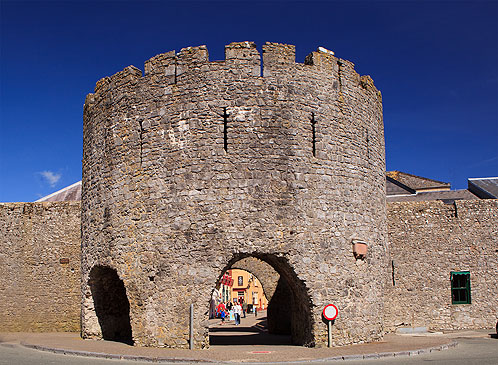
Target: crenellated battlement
(241, 58)
(186, 97)
(243, 51)
(276, 55)
(129, 74)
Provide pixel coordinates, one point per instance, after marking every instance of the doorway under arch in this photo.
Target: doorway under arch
(112, 307)
(290, 309)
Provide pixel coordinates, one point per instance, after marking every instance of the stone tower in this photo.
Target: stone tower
(197, 165)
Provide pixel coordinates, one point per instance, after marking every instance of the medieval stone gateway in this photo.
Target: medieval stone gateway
(196, 165)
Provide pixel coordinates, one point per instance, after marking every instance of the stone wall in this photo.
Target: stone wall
(40, 267)
(197, 164)
(428, 241)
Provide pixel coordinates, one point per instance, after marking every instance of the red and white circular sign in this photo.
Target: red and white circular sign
(330, 312)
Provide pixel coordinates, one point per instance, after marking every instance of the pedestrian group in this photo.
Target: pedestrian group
(232, 311)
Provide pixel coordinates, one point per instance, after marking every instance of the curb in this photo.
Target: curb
(102, 355)
(380, 355)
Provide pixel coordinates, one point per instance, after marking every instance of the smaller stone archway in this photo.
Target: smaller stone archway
(111, 304)
(290, 308)
(263, 271)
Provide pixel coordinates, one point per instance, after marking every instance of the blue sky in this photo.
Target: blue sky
(436, 64)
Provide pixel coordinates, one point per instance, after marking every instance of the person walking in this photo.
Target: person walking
(222, 316)
(219, 308)
(237, 311)
(244, 308)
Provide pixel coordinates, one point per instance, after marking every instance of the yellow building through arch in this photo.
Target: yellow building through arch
(248, 289)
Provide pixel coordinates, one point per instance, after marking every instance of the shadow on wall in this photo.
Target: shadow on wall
(280, 309)
(111, 304)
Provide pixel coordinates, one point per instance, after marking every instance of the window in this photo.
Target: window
(241, 280)
(460, 287)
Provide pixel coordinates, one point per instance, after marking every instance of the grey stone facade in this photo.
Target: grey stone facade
(428, 241)
(197, 165)
(40, 267)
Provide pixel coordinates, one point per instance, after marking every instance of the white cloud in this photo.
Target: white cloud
(50, 177)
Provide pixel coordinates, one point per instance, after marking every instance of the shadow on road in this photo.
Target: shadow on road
(252, 331)
(253, 339)
(232, 330)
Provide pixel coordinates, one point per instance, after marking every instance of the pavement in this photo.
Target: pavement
(249, 343)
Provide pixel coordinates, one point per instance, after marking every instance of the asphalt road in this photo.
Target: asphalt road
(470, 351)
(18, 355)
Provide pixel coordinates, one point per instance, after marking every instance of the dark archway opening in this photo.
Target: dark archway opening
(111, 304)
(288, 318)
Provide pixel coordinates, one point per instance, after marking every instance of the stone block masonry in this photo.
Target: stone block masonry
(40, 266)
(428, 241)
(197, 164)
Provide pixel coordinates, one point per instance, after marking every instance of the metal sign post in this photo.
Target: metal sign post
(330, 314)
(191, 327)
(329, 325)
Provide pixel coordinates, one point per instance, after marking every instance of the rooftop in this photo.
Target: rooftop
(69, 193)
(417, 183)
(447, 196)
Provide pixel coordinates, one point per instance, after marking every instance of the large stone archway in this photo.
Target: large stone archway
(295, 314)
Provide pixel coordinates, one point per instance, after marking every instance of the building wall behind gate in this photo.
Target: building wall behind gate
(428, 241)
(40, 266)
